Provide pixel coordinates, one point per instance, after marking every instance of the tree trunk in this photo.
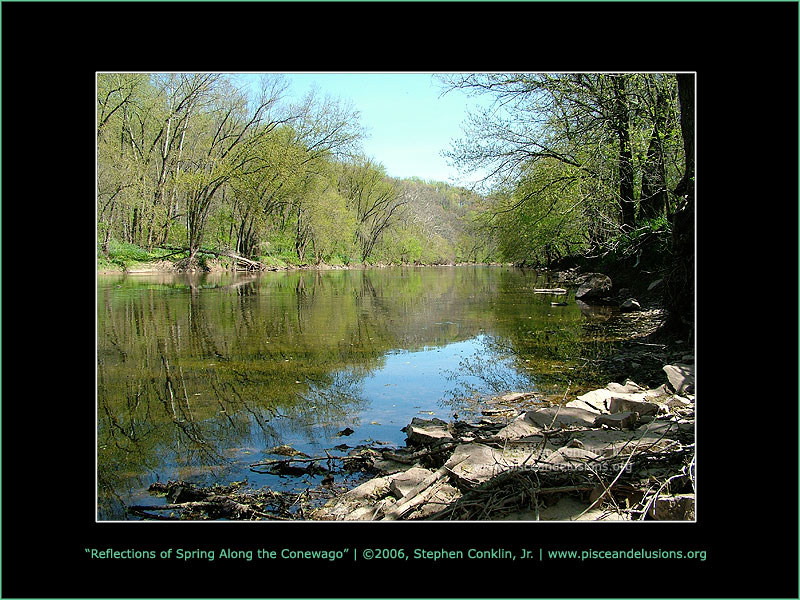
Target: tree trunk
(679, 281)
(622, 126)
(653, 200)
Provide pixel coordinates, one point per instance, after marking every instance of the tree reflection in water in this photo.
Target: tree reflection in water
(199, 375)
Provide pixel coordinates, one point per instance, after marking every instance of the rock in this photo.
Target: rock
(369, 490)
(619, 404)
(560, 416)
(583, 405)
(611, 442)
(623, 293)
(623, 420)
(362, 513)
(512, 397)
(681, 378)
(472, 464)
(346, 431)
(403, 483)
(630, 305)
(629, 387)
(596, 285)
(657, 392)
(285, 450)
(673, 508)
(654, 284)
(678, 403)
(598, 400)
(422, 431)
(444, 495)
(520, 427)
(572, 456)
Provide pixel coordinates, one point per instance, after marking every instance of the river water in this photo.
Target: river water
(199, 375)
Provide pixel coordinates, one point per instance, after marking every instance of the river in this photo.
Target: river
(199, 375)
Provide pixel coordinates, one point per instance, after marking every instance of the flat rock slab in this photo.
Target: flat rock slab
(560, 417)
(599, 400)
(404, 482)
(612, 442)
(427, 431)
(512, 398)
(472, 464)
(520, 427)
(619, 404)
(622, 420)
(681, 378)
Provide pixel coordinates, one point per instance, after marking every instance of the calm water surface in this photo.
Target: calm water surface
(199, 375)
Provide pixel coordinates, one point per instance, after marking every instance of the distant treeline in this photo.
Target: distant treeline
(200, 161)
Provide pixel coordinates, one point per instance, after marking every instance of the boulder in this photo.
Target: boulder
(596, 285)
(427, 431)
(630, 305)
(681, 378)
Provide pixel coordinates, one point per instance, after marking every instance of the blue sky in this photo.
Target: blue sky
(408, 124)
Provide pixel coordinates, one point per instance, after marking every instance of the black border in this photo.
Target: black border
(745, 56)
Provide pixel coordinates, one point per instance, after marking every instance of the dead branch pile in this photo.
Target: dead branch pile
(627, 485)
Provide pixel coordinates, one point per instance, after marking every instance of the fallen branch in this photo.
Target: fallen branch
(418, 494)
(415, 456)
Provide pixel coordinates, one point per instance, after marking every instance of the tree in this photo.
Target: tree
(679, 283)
(608, 134)
(226, 148)
(375, 199)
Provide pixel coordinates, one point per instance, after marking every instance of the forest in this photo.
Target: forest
(595, 167)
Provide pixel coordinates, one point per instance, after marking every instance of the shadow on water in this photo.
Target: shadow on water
(200, 375)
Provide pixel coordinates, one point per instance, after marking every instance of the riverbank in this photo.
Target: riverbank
(623, 452)
(225, 266)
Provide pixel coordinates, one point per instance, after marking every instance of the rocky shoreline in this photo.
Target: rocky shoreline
(623, 452)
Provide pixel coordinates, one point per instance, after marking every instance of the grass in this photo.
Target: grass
(122, 255)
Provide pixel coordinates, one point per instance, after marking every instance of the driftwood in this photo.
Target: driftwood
(225, 506)
(250, 265)
(549, 291)
(413, 457)
(418, 494)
